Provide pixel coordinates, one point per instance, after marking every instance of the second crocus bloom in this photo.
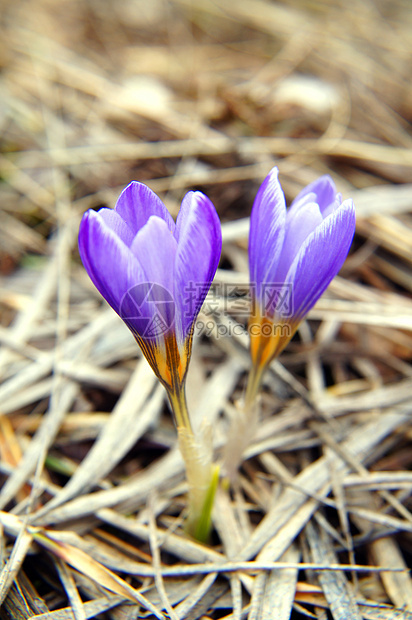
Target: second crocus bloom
(293, 256)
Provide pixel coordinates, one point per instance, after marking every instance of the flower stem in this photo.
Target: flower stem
(202, 475)
(177, 398)
(244, 424)
(253, 385)
(199, 526)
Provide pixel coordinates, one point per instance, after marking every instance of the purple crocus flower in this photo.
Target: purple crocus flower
(154, 273)
(293, 256)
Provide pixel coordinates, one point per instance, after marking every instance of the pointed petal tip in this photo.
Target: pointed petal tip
(199, 237)
(270, 190)
(86, 217)
(267, 229)
(137, 202)
(134, 187)
(345, 212)
(324, 189)
(348, 204)
(89, 220)
(274, 172)
(198, 211)
(272, 179)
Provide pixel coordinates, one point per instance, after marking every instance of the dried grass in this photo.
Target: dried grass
(208, 95)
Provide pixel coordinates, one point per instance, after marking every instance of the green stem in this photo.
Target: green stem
(202, 525)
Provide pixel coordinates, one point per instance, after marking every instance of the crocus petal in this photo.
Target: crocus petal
(298, 204)
(320, 258)
(137, 203)
(198, 252)
(333, 206)
(267, 231)
(299, 225)
(155, 249)
(324, 189)
(108, 261)
(116, 223)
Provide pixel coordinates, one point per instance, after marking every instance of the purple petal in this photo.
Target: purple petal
(137, 203)
(108, 261)
(333, 206)
(198, 253)
(149, 311)
(320, 258)
(155, 248)
(117, 225)
(297, 205)
(267, 231)
(299, 225)
(324, 189)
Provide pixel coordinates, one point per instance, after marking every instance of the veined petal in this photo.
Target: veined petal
(137, 203)
(267, 231)
(116, 223)
(154, 247)
(298, 204)
(324, 189)
(299, 225)
(198, 253)
(320, 258)
(333, 206)
(107, 259)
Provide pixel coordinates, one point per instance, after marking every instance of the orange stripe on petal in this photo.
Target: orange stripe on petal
(268, 338)
(167, 360)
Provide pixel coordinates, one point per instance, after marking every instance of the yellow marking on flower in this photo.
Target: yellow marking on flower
(268, 338)
(168, 362)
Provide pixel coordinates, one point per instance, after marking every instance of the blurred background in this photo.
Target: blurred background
(206, 94)
(191, 94)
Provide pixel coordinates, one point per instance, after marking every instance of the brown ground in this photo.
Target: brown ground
(210, 95)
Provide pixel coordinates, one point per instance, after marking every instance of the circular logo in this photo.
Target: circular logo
(149, 309)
